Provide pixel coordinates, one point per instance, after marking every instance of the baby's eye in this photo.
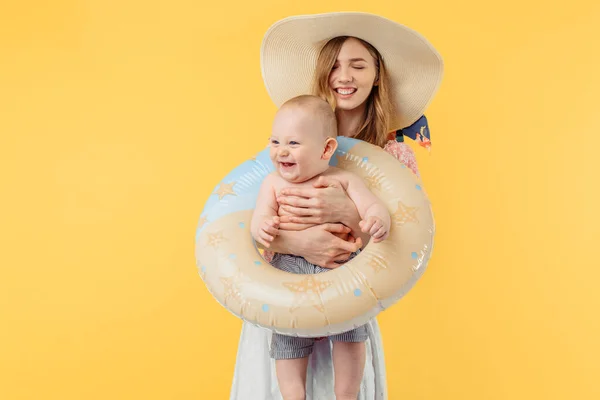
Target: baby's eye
(294, 143)
(273, 141)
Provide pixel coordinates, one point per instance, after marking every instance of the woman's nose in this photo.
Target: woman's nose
(344, 75)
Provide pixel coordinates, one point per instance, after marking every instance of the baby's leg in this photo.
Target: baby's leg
(291, 360)
(348, 365)
(291, 376)
(349, 355)
(291, 353)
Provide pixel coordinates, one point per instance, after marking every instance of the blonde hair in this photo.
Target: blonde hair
(317, 107)
(378, 110)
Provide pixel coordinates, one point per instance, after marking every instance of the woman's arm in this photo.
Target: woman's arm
(320, 245)
(327, 202)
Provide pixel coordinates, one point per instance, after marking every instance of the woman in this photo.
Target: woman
(380, 77)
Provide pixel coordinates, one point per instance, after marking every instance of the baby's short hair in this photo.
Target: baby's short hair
(320, 108)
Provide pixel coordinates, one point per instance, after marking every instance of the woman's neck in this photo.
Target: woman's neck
(349, 121)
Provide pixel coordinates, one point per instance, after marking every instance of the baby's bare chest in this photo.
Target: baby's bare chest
(333, 173)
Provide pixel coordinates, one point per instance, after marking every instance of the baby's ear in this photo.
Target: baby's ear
(331, 145)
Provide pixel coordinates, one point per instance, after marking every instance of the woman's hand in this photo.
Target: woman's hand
(326, 202)
(321, 245)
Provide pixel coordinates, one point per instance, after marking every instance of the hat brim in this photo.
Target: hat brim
(291, 46)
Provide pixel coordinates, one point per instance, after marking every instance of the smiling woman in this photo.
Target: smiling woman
(379, 77)
(348, 71)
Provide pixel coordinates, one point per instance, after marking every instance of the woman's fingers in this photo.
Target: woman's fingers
(345, 246)
(292, 226)
(284, 219)
(298, 192)
(295, 201)
(307, 220)
(332, 265)
(301, 212)
(323, 182)
(338, 259)
(336, 228)
(342, 257)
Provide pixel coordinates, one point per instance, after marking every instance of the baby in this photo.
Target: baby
(303, 141)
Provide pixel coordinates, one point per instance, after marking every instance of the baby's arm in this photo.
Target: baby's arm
(265, 222)
(376, 219)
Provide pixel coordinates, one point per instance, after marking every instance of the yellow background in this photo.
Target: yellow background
(118, 118)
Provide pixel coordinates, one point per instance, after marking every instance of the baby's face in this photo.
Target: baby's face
(297, 145)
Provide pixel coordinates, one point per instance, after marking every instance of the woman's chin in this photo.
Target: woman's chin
(347, 104)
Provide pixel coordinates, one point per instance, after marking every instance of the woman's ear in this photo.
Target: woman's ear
(331, 145)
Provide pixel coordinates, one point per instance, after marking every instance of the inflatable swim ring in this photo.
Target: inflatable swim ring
(322, 304)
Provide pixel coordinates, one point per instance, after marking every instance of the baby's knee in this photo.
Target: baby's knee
(293, 391)
(345, 393)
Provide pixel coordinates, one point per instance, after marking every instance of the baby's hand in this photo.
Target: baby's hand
(268, 231)
(374, 226)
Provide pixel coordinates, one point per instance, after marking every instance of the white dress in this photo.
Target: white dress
(255, 379)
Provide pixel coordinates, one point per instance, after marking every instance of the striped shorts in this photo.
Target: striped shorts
(287, 347)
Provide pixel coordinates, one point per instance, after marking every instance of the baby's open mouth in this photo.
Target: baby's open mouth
(287, 164)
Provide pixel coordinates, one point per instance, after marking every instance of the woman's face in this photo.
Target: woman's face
(353, 75)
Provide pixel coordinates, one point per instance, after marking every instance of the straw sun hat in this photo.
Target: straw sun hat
(291, 46)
